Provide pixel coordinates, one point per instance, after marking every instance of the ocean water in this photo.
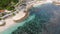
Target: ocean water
(43, 19)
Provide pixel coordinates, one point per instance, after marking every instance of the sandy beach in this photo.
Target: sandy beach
(10, 22)
(41, 2)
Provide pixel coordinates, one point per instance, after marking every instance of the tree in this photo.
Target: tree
(6, 4)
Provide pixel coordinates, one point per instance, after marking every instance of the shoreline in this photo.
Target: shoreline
(10, 21)
(22, 16)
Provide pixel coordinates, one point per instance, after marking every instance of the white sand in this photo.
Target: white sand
(41, 2)
(10, 22)
(19, 16)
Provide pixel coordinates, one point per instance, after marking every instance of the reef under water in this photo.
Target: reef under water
(46, 20)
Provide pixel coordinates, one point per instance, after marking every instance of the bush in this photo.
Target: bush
(13, 14)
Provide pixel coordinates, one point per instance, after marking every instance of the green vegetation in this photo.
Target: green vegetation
(13, 14)
(8, 4)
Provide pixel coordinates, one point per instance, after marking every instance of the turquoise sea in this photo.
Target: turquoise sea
(43, 19)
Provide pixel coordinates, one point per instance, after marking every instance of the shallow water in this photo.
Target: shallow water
(12, 28)
(43, 19)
